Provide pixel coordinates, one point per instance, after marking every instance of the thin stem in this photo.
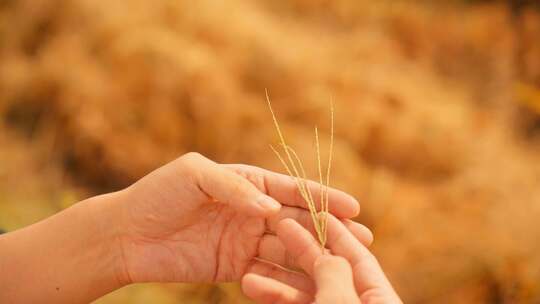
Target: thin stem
(281, 137)
(321, 193)
(329, 166)
(303, 187)
(311, 202)
(304, 175)
(297, 180)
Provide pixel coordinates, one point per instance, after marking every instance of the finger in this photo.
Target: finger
(228, 187)
(284, 189)
(360, 232)
(301, 246)
(343, 243)
(368, 273)
(334, 279)
(269, 291)
(303, 217)
(294, 279)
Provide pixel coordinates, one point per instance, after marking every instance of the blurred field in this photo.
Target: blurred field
(437, 109)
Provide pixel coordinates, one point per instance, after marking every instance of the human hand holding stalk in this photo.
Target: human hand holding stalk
(192, 220)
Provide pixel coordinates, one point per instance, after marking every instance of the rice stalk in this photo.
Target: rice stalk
(295, 168)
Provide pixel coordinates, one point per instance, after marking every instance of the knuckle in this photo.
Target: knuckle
(192, 161)
(193, 156)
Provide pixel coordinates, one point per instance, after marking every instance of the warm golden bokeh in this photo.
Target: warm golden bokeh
(437, 120)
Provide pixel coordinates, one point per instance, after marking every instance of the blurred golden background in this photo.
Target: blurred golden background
(437, 120)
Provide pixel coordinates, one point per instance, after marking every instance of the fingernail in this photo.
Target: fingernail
(268, 203)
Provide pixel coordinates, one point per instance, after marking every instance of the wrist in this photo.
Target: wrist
(93, 228)
(111, 225)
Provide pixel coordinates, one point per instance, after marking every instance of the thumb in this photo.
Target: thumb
(334, 279)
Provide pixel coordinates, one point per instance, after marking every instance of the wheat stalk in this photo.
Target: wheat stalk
(295, 168)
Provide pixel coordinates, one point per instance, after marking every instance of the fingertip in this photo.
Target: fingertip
(344, 205)
(355, 206)
(368, 234)
(269, 205)
(361, 232)
(248, 280)
(249, 284)
(285, 225)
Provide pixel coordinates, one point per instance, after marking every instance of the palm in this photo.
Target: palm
(216, 247)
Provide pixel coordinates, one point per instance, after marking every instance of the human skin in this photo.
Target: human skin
(192, 220)
(346, 273)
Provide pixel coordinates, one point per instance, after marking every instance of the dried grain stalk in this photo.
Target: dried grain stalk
(295, 168)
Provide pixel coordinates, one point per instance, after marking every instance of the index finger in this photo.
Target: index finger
(284, 189)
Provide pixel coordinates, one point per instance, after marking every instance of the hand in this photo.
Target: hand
(190, 221)
(352, 275)
(194, 220)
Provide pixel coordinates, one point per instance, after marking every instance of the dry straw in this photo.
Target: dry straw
(295, 168)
